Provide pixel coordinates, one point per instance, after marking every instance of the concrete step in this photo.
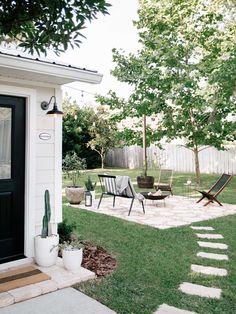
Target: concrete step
(208, 270)
(219, 257)
(201, 291)
(213, 245)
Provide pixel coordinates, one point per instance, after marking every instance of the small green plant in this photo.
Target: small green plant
(47, 215)
(90, 186)
(65, 230)
(72, 164)
(71, 245)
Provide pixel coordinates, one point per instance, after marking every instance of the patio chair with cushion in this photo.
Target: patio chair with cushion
(165, 180)
(118, 186)
(216, 189)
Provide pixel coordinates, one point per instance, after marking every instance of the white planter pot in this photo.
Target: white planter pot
(72, 259)
(46, 250)
(74, 194)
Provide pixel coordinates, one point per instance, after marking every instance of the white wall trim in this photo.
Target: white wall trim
(58, 162)
(30, 95)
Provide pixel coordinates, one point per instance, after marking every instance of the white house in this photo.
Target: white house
(30, 149)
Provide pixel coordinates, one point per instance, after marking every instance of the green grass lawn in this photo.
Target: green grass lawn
(152, 263)
(179, 178)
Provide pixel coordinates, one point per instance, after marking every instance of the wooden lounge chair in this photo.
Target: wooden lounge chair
(216, 189)
(109, 187)
(165, 180)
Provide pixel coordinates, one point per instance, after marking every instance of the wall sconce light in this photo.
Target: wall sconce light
(55, 111)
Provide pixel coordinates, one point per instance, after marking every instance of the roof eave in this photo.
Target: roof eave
(52, 72)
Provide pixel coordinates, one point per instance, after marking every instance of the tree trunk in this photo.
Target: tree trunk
(102, 161)
(197, 166)
(144, 147)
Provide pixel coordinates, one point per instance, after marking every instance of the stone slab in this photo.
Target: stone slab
(46, 286)
(6, 299)
(166, 309)
(201, 291)
(202, 228)
(209, 236)
(25, 293)
(65, 301)
(219, 257)
(208, 270)
(213, 245)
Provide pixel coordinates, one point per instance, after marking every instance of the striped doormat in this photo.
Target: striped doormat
(20, 277)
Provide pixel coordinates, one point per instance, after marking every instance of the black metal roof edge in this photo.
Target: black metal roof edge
(48, 62)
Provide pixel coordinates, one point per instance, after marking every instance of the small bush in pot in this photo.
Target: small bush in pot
(72, 253)
(72, 165)
(90, 187)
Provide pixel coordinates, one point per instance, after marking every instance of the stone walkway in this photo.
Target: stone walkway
(176, 211)
(60, 278)
(197, 289)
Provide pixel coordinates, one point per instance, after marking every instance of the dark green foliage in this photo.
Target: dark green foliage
(47, 215)
(76, 124)
(65, 229)
(39, 25)
(90, 186)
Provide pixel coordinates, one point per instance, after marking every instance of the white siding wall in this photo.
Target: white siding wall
(46, 159)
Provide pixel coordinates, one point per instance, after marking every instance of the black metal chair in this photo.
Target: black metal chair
(109, 187)
(216, 189)
(165, 180)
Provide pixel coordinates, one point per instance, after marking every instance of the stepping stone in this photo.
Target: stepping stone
(201, 291)
(213, 245)
(219, 257)
(207, 270)
(209, 236)
(166, 309)
(202, 228)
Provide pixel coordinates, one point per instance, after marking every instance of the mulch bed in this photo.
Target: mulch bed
(98, 260)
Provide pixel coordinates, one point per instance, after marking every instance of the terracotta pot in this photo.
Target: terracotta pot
(145, 182)
(74, 194)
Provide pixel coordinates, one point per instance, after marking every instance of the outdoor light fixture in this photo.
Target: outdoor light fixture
(88, 198)
(55, 111)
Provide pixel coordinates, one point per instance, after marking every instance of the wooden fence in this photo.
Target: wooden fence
(174, 157)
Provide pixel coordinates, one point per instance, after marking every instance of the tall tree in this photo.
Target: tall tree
(76, 123)
(103, 132)
(39, 25)
(184, 73)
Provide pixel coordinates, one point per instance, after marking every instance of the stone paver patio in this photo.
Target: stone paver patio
(176, 211)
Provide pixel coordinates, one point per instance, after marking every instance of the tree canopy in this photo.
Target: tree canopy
(76, 124)
(103, 132)
(39, 25)
(184, 74)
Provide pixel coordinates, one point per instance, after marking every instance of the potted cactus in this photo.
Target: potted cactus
(46, 244)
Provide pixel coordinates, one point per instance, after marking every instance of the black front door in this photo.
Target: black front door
(12, 177)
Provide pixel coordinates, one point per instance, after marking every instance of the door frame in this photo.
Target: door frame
(30, 149)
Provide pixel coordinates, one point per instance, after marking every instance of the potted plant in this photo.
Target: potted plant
(72, 253)
(46, 244)
(72, 164)
(90, 187)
